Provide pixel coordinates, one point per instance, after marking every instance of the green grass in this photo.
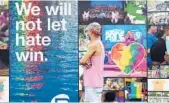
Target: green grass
(131, 9)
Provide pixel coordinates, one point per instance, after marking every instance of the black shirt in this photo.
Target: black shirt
(158, 50)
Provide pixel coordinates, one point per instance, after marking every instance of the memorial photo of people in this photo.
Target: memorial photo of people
(109, 12)
(4, 24)
(157, 5)
(158, 12)
(159, 71)
(158, 45)
(113, 84)
(158, 18)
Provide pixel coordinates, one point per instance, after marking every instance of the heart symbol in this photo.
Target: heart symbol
(128, 57)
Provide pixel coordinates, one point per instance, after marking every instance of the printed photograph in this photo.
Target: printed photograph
(125, 50)
(135, 11)
(158, 18)
(4, 89)
(158, 84)
(135, 89)
(157, 45)
(158, 71)
(154, 72)
(164, 71)
(109, 12)
(113, 84)
(158, 97)
(4, 24)
(157, 5)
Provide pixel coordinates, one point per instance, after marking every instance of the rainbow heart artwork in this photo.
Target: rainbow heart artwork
(128, 57)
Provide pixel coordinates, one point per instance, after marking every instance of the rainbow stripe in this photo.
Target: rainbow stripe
(27, 68)
(136, 90)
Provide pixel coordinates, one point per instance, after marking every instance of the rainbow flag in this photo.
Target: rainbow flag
(136, 90)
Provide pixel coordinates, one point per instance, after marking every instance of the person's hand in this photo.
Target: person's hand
(166, 57)
(87, 65)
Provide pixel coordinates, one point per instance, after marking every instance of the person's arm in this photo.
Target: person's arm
(166, 58)
(91, 50)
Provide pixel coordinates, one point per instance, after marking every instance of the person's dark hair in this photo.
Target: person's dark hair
(159, 33)
(149, 26)
(109, 96)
